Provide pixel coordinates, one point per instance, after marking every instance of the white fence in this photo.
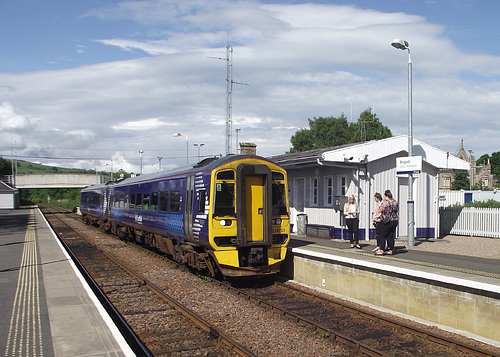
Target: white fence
(470, 221)
(450, 198)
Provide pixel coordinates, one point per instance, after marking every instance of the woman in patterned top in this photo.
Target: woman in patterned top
(389, 221)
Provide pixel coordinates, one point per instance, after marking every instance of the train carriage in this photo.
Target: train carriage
(227, 216)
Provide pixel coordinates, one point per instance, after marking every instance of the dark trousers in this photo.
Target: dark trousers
(386, 234)
(353, 227)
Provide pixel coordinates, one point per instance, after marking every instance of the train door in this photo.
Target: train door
(188, 208)
(254, 205)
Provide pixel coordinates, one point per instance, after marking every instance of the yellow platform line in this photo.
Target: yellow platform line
(25, 328)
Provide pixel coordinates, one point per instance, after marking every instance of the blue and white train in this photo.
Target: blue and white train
(227, 216)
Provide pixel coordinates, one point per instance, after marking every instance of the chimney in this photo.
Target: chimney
(248, 149)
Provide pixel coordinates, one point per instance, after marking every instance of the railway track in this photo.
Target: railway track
(368, 333)
(171, 328)
(364, 333)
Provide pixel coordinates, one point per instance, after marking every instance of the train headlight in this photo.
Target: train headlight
(225, 222)
(277, 221)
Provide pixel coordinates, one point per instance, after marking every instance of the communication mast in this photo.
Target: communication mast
(229, 96)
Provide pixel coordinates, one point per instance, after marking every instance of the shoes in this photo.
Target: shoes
(375, 249)
(352, 246)
(358, 246)
(379, 252)
(389, 252)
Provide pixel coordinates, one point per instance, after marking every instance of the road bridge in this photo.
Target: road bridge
(56, 180)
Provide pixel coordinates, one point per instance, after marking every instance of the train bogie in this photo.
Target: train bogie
(228, 215)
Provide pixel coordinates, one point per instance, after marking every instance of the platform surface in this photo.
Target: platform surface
(45, 304)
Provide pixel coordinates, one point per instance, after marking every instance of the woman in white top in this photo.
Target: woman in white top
(351, 213)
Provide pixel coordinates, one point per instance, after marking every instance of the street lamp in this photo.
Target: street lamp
(404, 45)
(159, 161)
(176, 135)
(140, 157)
(199, 148)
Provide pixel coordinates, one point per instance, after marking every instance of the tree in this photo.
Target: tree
(461, 181)
(5, 167)
(335, 131)
(374, 129)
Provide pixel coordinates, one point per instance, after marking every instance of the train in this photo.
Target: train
(224, 217)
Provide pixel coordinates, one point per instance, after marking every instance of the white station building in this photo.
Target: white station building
(320, 181)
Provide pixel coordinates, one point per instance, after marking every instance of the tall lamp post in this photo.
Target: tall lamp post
(404, 45)
(199, 148)
(176, 135)
(159, 161)
(237, 142)
(140, 157)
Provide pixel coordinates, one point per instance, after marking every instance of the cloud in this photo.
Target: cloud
(300, 61)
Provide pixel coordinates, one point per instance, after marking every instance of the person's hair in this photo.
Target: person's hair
(378, 196)
(353, 198)
(388, 194)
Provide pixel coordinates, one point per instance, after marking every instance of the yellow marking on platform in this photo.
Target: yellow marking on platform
(25, 329)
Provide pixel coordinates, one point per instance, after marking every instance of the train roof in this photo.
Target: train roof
(207, 164)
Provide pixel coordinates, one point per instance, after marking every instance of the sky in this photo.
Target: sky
(89, 84)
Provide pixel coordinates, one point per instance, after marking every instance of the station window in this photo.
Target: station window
(314, 191)
(329, 190)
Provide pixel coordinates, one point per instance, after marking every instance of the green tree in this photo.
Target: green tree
(461, 181)
(5, 167)
(374, 129)
(335, 131)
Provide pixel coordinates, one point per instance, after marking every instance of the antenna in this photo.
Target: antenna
(362, 125)
(229, 95)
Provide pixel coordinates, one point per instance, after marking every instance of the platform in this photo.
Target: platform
(46, 305)
(454, 292)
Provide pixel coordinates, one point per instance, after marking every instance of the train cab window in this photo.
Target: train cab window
(145, 201)
(224, 194)
(225, 175)
(163, 201)
(153, 202)
(278, 199)
(175, 201)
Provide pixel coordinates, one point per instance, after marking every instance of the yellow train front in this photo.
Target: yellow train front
(249, 217)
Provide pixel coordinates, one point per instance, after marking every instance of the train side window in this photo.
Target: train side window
(202, 194)
(132, 201)
(138, 201)
(163, 201)
(175, 201)
(153, 203)
(145, 202)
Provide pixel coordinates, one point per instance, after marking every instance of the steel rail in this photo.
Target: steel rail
(451, 344)
(183, 310)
